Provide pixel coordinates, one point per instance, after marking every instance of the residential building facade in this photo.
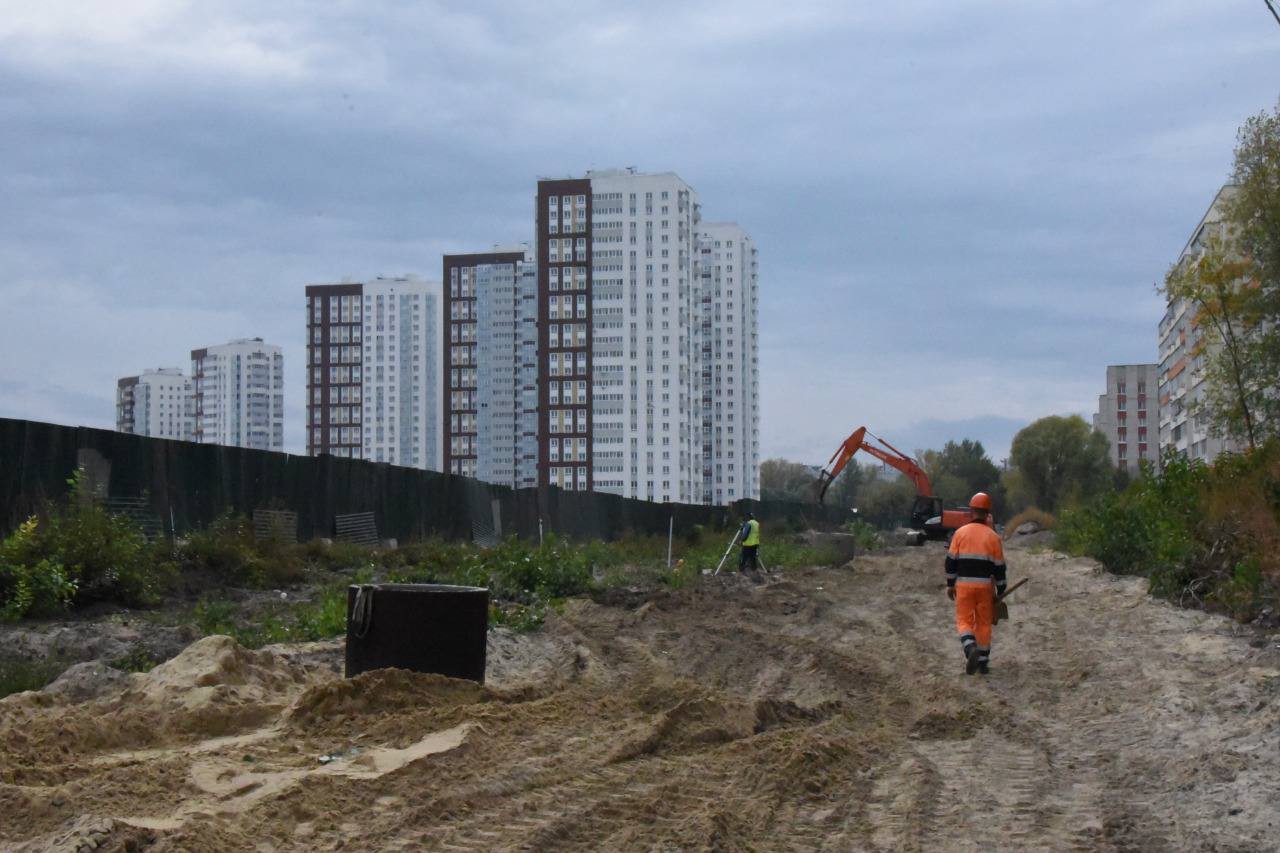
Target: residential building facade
(1127, 415)
(238, 394)
(728, 285)
(157, 403)
(490, 351)
(374, 371)
(619, 337)
(1182, 352)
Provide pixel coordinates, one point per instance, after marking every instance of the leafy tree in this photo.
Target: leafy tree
(1234, 286)
(1059, 459)
(845, 490)
(1229, 310)
(886, 503)
(959, 470)
(781, 480)
(1254, 211)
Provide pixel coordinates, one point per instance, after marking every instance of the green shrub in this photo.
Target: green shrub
(228, 550)
(225, 549)
(865, 535)
(1205, 536)
(76, 553)
(325, 617)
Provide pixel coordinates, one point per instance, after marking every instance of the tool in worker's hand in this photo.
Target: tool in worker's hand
(1002, 609)
(732, 542)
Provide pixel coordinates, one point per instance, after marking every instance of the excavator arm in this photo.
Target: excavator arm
(887, 454)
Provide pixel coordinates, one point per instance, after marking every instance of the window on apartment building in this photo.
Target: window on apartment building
(1120, 386)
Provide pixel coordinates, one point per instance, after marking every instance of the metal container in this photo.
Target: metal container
(417, 626)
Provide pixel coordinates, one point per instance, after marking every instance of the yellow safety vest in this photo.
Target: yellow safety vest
(753, 533)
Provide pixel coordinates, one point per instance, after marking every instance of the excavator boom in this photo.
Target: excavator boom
(889, 455)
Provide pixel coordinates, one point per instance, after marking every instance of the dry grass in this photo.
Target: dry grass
(1031, 513)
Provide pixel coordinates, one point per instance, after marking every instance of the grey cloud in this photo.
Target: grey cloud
(987, 190)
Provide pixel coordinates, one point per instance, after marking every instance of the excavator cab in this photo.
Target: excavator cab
(923, 510)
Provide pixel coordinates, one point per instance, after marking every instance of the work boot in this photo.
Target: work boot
(971, 660)
(984, 668)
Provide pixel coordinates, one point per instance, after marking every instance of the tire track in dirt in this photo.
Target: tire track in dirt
(822, 710)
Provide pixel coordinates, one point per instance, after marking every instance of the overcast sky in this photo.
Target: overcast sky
(961, 208)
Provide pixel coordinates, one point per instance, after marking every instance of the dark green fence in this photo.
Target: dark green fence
(188, 485)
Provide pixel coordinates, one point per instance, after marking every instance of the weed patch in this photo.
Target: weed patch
(1205, 536)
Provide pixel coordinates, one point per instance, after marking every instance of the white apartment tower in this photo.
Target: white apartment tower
(625, 332)
(490, 410)
(1123, 416)
(373, 372)
(158, 403)
(728, 288)
(238, 394)
(618, 363)
(1182, 357)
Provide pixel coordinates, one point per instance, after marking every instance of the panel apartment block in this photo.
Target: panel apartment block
(374, 371)
(1182, 353)
(728, 288)
(645, 337)
(1127, 415)
(157, 403)
(238, 394)
(490, 352)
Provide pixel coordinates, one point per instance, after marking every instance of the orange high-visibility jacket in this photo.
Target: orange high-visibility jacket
(976, 555)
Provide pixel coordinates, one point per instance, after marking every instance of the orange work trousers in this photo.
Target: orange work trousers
(975, 607)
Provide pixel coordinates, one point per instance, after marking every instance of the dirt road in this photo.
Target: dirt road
(824, 709)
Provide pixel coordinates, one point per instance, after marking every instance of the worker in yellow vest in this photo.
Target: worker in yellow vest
(748, 560)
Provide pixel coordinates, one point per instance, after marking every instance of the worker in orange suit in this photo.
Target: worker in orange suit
(975, 578)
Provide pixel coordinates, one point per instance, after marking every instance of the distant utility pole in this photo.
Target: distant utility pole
(1272, 7)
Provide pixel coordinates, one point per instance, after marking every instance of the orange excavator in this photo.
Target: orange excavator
(927, 513)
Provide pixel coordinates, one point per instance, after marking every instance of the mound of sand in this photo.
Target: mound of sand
(382, 691)
(88, 680)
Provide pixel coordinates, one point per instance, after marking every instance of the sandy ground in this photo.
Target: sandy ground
(823, 709)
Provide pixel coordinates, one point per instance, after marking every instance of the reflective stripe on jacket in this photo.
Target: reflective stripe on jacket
(751, 533)
(976, 554)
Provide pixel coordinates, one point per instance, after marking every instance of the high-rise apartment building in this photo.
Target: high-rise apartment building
(619, 335)
(238, 394)
(1182, 353)
(490, 354)
(1127, 415)
(157, 403)
(374, 371)
(728, 286)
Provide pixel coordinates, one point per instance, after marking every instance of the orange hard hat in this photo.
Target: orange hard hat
(980, 501)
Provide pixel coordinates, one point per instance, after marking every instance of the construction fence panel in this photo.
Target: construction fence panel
(189, 485)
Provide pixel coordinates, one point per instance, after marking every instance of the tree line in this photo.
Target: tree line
(1053, 461)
